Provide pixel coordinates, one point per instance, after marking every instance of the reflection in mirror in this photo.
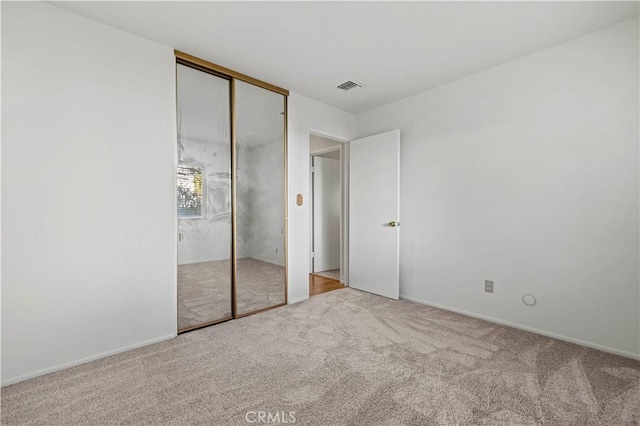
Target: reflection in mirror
(260, 273)
(203, 198)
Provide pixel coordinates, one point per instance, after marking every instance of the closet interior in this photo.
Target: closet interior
(230, 194)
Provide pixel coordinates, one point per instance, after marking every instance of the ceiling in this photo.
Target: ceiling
(395, 48)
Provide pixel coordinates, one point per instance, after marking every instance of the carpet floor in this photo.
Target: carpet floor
(341, 358)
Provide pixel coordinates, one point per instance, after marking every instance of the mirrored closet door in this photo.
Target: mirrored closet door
(203, 179)
(260, 198)
(230, 189)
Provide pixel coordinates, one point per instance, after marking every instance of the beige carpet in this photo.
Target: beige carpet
(333, 274)
(341, 358)
(204, 289)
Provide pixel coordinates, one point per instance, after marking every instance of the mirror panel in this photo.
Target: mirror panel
(260, 202)
(203, 198)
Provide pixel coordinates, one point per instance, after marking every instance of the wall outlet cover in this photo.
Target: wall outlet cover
(488, 286)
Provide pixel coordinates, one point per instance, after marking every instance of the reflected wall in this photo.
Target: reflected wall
(260, 202)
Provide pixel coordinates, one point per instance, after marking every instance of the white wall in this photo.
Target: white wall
(208, 238)
(88, 139)
(306, 115)
(527, 174)
(264, 204)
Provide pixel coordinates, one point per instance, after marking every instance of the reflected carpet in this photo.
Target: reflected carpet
(204, 289)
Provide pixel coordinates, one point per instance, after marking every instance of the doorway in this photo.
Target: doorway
(327, 179)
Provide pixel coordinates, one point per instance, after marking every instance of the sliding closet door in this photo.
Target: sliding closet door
(203, 198)
(260, 202)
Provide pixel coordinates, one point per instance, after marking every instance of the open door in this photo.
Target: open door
(327, 197)
(374, 214)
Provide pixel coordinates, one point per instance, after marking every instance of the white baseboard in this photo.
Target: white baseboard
(298, 300)
(263, 260)
(55, 368)
(526, 328)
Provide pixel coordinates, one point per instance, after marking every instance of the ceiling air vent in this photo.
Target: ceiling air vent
(350, 85)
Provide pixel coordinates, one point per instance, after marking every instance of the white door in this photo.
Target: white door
(326, 214)
(374, 214)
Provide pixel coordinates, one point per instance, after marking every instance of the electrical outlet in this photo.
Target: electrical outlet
(488, 286)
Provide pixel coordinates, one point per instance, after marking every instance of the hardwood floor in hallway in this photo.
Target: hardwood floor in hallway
(319, 285)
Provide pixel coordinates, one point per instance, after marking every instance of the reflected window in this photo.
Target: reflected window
(191, 200)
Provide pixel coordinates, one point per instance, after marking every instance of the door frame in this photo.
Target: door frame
(342, 146)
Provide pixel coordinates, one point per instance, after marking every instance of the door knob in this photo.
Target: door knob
(393, 224)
